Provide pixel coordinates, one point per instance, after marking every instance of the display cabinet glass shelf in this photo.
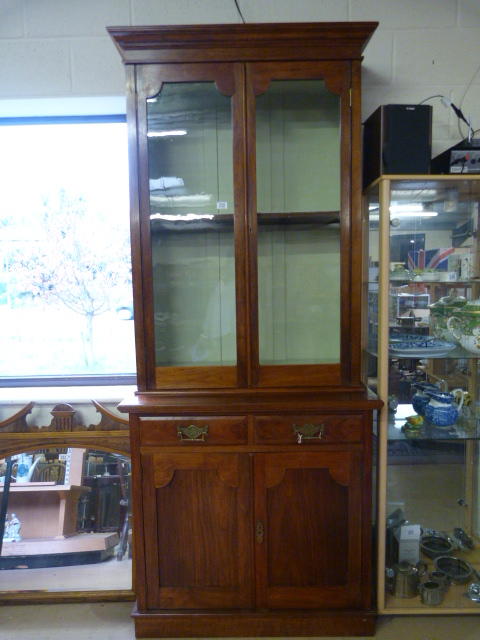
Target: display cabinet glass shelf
(422, 353)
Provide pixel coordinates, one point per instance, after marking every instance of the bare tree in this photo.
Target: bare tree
(77, 259)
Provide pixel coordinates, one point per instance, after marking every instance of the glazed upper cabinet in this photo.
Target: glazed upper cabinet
(244, 188)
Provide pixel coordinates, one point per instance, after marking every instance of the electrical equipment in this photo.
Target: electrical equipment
(397, 139)
(464, 157)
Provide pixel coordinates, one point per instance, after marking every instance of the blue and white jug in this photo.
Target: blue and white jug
(443, 408)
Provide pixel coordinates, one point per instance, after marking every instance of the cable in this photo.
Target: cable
(469, 85)
(458, 112)
(239, 12)
(438, 95)
(448, 103)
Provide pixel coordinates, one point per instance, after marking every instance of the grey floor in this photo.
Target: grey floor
(112, 621)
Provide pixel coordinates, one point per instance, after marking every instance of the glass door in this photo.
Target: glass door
(299, 125)
(190, 204)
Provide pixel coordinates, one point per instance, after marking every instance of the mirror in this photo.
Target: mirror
(67, 522)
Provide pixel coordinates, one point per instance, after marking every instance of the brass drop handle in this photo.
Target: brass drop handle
(260, 532)
(192, 432)
(309, 431)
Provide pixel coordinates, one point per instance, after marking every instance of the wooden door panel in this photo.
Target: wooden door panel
(297, 543)
(198, 530)
(311, 511)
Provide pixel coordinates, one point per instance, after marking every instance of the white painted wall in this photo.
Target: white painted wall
(60, 48)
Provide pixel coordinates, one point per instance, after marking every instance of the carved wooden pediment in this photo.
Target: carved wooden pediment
(111, 433)
(63, 420)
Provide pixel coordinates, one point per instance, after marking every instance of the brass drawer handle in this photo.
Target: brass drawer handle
(309, 431)
(192, 432)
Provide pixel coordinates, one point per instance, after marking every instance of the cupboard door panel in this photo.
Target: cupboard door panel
(198, 533)
(310, 507)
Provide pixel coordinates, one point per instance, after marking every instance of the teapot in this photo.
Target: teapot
(403, 579)
(444, 408)
(440, 311)
(464, 325)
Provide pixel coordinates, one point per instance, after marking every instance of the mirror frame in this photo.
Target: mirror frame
(111, 434)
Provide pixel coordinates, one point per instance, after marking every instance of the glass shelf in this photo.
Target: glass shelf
(463, 429)
(457, 353)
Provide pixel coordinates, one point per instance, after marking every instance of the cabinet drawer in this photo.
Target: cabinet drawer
(308, 429)
(194, 430)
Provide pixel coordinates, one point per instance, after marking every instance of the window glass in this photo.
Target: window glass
(65, 267)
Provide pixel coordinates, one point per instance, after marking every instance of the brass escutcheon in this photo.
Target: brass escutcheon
(259, 532)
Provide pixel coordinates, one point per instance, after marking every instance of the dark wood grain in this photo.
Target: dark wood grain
(204, 43)
(198, 547)
(313, 554)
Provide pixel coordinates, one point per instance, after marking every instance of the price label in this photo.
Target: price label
(222, 205)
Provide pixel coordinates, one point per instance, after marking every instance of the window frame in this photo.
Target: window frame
(69, 380)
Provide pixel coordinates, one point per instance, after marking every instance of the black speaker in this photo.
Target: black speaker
(397, 139)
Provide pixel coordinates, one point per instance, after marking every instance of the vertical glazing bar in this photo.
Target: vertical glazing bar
(383, 297)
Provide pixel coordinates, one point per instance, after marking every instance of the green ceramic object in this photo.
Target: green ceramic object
(464, 325)
(440, 311)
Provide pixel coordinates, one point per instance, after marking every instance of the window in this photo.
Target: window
(65, 269)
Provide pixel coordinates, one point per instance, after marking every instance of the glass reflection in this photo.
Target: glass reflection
(190, 158)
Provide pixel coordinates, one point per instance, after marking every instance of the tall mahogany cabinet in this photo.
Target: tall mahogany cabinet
(251, 430)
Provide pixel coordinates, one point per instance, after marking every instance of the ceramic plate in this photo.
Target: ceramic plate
(419, 347)
(409, 337)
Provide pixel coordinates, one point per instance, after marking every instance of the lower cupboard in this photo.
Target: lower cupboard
(272, 537)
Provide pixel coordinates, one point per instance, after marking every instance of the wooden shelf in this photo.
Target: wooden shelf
(45, 509)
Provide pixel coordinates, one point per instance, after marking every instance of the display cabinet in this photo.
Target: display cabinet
(421, 358)
(251, 430)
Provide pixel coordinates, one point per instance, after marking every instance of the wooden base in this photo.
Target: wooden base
(246, 623)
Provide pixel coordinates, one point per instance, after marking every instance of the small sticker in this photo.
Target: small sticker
(222, 205)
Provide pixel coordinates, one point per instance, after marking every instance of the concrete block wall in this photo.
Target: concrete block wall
(59, 48)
